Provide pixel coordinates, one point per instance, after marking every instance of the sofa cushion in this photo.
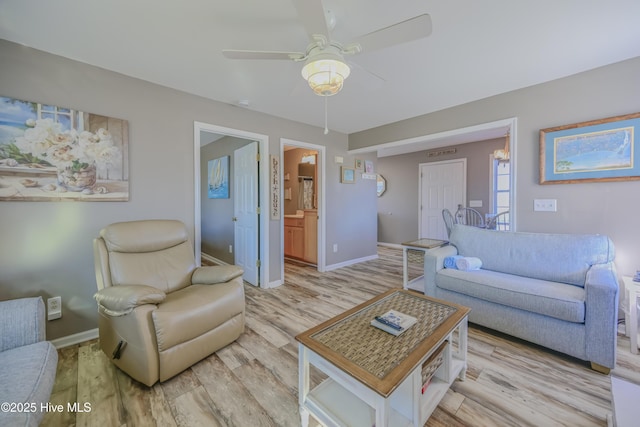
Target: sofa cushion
(562, 301)
(27, 375)
(563, 258)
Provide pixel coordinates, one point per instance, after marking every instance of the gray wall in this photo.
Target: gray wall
(398, 214)
(609, 208)
(46, 247)
(217, 228)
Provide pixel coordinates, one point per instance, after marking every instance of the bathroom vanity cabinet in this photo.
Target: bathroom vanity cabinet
(301, 236)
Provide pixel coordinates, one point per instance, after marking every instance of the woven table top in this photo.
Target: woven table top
(376, 351)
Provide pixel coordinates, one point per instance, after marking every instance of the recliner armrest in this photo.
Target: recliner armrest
(121, 300)
(213, 274)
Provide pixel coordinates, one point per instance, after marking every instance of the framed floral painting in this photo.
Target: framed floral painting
(48, 152)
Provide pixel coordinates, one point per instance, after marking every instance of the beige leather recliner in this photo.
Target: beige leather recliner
(158, 312)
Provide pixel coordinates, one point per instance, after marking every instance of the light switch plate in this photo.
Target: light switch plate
(545, 205)
(475, 203)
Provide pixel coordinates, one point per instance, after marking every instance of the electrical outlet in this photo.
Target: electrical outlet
(54, 308)
(335, 247)
(230, 249)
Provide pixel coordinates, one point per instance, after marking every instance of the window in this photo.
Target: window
(500, 191)
(66, 117)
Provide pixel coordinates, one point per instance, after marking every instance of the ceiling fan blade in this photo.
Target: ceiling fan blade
(368, 78)
(312, 15)
(253, 54)
(402, 32)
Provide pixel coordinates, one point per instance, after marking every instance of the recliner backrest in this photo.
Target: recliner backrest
(156, 253)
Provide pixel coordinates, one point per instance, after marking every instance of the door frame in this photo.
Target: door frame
(263, 177)
(462, 160)
(322, 200)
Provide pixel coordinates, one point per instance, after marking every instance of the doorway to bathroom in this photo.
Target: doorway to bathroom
(302, 203)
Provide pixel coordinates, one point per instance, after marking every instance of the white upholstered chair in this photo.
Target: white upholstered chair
(158, 313)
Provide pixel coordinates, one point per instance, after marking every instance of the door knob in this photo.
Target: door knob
(234, 219)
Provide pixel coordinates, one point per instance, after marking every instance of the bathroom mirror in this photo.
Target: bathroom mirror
(381, 184)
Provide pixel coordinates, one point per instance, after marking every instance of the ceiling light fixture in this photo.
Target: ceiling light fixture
(325, 73)
(503, 154)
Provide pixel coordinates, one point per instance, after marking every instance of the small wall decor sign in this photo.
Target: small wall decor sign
(218, 173)
(593, 151)
(274, 184)
(52, 153)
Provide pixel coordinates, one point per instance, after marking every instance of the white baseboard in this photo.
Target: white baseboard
(213, 260)
(74, 339)
(274, 284)
(350, 262)
(390, 245)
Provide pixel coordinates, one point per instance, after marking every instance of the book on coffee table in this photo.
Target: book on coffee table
(393, 322)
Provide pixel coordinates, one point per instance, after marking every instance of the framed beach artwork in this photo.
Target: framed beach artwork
(54, 153)
(218, 173)
(595, 151)
(347, 175)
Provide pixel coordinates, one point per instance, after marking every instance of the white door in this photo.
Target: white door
(442, 186)
(245, 211)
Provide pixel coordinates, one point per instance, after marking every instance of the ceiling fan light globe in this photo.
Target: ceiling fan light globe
(325, 76)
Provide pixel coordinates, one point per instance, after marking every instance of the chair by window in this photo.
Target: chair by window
(158, 313)
(469, 216)
(499, 222)
(447, 216)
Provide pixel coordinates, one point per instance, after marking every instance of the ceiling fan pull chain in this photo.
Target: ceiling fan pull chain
(326, 127)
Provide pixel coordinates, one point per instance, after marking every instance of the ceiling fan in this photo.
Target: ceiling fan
(324, 67)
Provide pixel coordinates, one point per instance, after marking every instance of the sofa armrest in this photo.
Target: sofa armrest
(601, 313)
(434, 262)
(213, 274)
(121, 300)
(21, 322)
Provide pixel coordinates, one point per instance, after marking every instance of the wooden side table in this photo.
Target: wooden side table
(632, 291)
(416, 245)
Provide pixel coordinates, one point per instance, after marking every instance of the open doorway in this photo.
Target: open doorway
(215, 228)
(303, 203)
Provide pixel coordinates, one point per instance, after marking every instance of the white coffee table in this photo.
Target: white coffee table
(375, 378)
(632, 290)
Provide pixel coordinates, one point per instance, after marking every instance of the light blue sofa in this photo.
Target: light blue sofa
(556, 290)
(27, 362)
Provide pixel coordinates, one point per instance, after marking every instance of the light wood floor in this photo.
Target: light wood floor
(253, 382)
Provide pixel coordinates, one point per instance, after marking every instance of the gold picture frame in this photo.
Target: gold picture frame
(594, 151)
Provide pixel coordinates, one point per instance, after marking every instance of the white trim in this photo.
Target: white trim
(391, 245)
(322, 208)
(350, 262)
(263, 142)
(275, 283)
(441, 139)
(74, 339)
(213, 259)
